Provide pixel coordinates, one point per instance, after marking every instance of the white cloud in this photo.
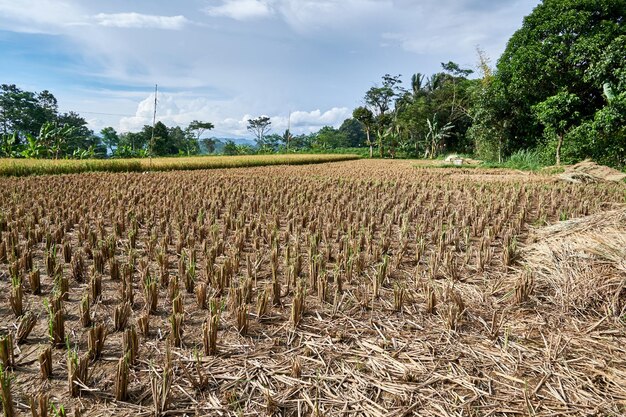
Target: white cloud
(38, 16)
(138, 20)
(241, 9)
(333, 117)
(317, 15)
(181, 109)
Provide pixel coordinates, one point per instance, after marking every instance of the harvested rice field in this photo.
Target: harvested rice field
(357, 288)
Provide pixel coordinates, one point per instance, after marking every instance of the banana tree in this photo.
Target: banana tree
(9, 144)
(33, 148)
(54, 137)
(436, 135)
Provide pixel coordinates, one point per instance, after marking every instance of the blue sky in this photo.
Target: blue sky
(225, 61)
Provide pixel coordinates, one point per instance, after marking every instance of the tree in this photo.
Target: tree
(230, 148)
(197, 128)
(9, 145)
(110, 138)
(259, 127)
(561, 46)
(380, 99)
(270, 143)
(131, 143)
(182, 142)
(287, 138)
(329, 138)
(353, 133)
(366, 118)
(54, 138)
(47, 107)
(209, 144)
(82, 137)
(436, 135)
(18, 110)
(159, 143)
(558, 113)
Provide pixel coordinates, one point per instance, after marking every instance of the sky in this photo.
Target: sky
(226, 61)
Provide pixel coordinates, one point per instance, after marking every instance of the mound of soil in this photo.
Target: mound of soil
(588, 171)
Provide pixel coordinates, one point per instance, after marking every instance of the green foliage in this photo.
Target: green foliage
(329, 138)
(365, 116)
(406, 122)
(551, 81)
(230, 148)
(9, 145)
(31, 127)
(110, 138)
(192, 139)
(526, 160)
(208, 144)
(558, 114)
(353, 133)
(260, 127)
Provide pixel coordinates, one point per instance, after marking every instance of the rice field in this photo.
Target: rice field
(24, 167)
(355, 288)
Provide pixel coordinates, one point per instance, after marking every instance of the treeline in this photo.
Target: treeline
(32, 127)
(558, 92)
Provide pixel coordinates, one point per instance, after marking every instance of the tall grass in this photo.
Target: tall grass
(24, 167)
(524, 160)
